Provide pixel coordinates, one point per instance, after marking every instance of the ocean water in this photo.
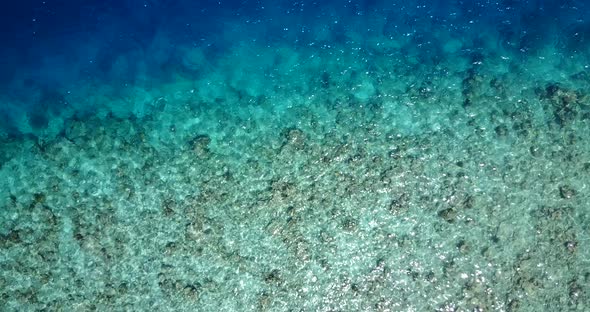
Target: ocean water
(295, 155)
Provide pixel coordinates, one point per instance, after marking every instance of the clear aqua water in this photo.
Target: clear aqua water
(295, 155)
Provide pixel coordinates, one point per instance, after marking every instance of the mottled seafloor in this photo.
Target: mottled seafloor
(368, 173)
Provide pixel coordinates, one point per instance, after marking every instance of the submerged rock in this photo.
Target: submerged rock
(565, 103)
(501, 130)
(294, 137)
(566, 192)
(200, 145)
(448, 215)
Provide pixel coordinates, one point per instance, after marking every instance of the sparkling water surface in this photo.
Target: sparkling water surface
(295, 155)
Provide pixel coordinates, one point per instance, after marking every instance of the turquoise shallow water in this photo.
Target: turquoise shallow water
(359, 156)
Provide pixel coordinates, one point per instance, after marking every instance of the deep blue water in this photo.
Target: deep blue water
(50, 46)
